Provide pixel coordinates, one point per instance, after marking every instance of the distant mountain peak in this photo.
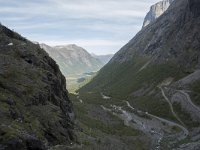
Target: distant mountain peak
(73, 59)
(67, 46)
(156, 11)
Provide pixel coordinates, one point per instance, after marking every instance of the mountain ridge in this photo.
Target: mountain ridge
(72, 59)
(156, 11)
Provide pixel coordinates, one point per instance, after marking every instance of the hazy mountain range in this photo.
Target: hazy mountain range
(72, 59)
(77, 65)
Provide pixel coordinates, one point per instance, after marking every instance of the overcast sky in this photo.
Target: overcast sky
(99, 26)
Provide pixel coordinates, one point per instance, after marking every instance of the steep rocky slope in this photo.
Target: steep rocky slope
(157, 72)
(72, 59)
(35, 111)
(156, 11)
(171, 43)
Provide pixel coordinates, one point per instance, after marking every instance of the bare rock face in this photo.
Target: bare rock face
(156, 11)
(35, 111)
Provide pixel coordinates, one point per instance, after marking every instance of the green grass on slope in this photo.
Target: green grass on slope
(121, 79)
(154, 105)
(149, 77)
(98, 125)
(112, 74)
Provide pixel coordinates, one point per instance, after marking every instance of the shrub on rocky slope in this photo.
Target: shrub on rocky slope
(35, 111)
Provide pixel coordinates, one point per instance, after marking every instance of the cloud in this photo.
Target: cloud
(97, 46)
(80, 9)
(95, 24)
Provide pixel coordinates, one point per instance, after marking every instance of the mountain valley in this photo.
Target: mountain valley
(152, 81)
(76, 64)
(144, 97)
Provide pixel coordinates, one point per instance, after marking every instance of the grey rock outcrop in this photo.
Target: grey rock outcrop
(156, 11)
(161, 38)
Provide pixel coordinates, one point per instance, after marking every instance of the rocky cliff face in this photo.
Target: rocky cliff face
(156, 11)
(168, 39)
(35, 111)
(72, 59)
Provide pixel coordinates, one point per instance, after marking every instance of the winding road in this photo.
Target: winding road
(171, 107)
(185, 131)
(189, 100)
(145, 125)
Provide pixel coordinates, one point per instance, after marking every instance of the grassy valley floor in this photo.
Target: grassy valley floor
(109, 123)
(100, 129)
